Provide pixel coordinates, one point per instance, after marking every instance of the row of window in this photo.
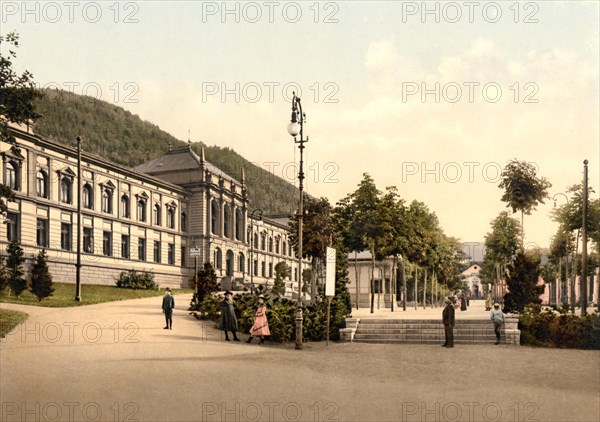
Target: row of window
(263, 244)
(241, 267)
(66, 241)
(66, 196)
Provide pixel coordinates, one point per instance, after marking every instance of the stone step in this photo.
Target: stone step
(424, 341)
(424, 336)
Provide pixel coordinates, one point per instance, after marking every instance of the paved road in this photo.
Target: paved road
(114, 362)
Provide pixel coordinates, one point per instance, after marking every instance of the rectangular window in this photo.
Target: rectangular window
(142, 249)
(270, 270)
(255, 267)
(88, 240)
(12, 227)
(183, 256)
(107, 243)
(42, 232)
(125, 246)
(66, 234)
(157, 251)
(171, 254)
(263, 269)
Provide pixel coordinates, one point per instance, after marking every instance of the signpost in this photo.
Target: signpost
(329, 283)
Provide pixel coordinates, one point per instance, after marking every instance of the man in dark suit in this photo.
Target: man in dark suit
(167, 307)
(448, 320)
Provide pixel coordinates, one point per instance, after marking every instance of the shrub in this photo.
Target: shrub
(41, 279)
(133, 280)
(549, 329)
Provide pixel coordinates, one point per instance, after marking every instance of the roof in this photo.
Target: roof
(178, 160)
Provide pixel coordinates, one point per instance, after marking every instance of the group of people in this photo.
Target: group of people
(448, 319)
(227, 320)
(461, 300)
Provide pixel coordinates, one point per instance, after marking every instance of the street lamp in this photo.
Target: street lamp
(78, 264)
(260, 215)
(295, 128)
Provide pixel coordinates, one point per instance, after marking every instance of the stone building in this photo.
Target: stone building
(148, 219)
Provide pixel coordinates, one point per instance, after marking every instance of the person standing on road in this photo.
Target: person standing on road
(463, 301)
(168, 304)
(497, 318)
(488, 301)
(228, 321)
(260, 328)
(448, 320)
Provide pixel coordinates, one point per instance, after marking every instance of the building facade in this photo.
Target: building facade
(167, 216)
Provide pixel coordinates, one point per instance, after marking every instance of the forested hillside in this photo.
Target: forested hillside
(122, 137)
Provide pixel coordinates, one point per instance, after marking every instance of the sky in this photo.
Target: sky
(431, 97)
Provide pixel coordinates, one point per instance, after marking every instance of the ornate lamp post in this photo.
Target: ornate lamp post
(584, 235)
(78, 264)
(295, 128)
(260, 214)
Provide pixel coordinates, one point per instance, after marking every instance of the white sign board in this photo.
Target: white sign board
(330, 272)
(194, 252)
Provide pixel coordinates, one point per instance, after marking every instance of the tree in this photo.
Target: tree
(282, 271)
(17, 92)
(3, 275)
(523, 190)
(501, 245)
(317, 235)
(14, 264)
(522, 283)
(41, 279)
(207, 283)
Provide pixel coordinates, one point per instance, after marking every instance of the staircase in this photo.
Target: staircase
(423, 331)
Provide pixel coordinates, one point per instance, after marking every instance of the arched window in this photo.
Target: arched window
(157, 216)
(66, 190)
(141, 209)
(184, 223)
(284, 248)
(227, 221)
(214, 214)
(87, 196)
(218, 258)
(277, 243)
(125, 206)
(263, 237)
(270, 244)
(255, 240)
(41, 184)
(171, 217)
(241, 262)
(107, 200)
(239, 224)
(11, 175)
(229, 263)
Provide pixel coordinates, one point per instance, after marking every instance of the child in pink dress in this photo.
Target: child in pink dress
(261, 325)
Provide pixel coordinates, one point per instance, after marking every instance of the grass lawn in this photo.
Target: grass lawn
(9, 320)
(64, 295)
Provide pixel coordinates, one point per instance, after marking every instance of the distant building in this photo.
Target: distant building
(149, 218)
(472, 278)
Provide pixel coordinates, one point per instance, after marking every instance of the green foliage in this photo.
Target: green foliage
(282, 270)
(207, 284)
(17, 92)
(523, 190)
(14, 265)
(550, 329)
(123, 138)
(523, 274)
(41, 279)
(501, 244)
(132, 279)
(3, 275)
(281, 314)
